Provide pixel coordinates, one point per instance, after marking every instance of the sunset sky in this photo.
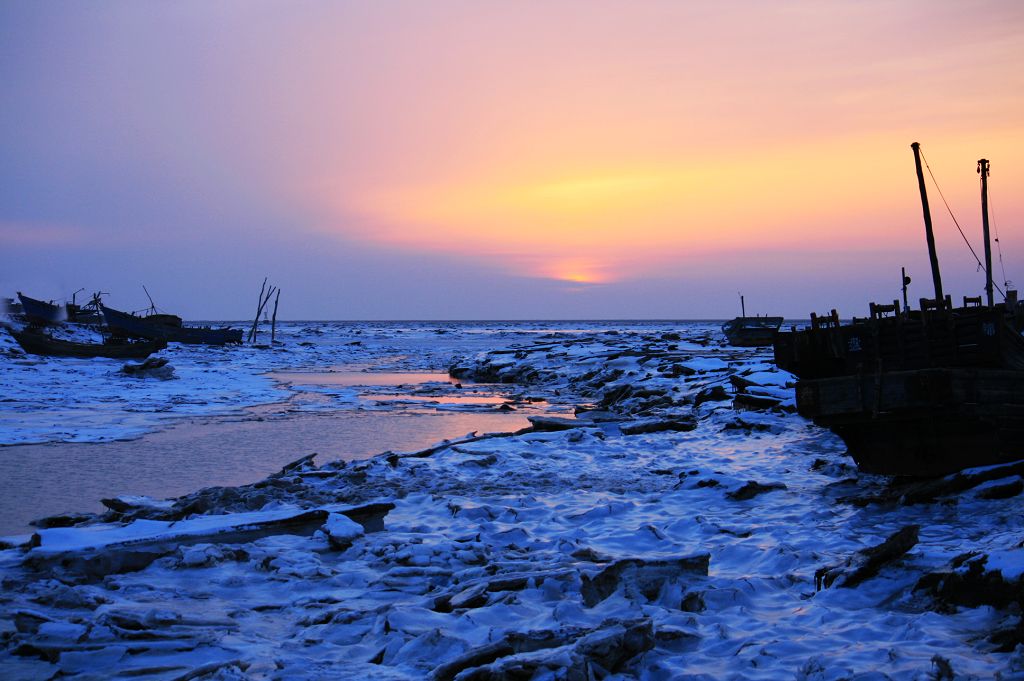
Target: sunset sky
(479, 160)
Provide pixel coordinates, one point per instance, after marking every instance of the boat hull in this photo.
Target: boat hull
(40, 312)
(751, 331)
(967, 337)
(127, 325)
(921, 423)
(41, 344)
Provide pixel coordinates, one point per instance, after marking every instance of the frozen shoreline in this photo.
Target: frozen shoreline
(230, 415)
(89, 400)
(559, 553)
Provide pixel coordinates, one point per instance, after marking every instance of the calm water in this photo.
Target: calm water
(60, 477)
(359, 378)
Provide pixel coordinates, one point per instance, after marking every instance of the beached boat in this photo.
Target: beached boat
(38, 343)
(751, 331)
(917, 392)
(40, 312)
(165, 328)
(748, 332)
(84, 314)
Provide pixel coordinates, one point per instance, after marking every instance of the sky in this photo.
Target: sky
(582, 159)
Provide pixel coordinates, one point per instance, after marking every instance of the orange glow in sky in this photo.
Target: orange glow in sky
(609, 224)
(578, 147)
(663, 135)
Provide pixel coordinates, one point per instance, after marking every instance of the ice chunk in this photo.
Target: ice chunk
(341, 531)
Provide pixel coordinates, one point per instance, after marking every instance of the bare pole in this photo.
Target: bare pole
(983, 171)
(263, 305)
(906, 280)
(259, 306)
(273, 318)
(932, 256)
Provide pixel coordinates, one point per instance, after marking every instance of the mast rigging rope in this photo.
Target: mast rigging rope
(999, 247)
(950, 210)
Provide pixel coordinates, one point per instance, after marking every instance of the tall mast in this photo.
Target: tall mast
(743, 307)
(983, 171)
(936, 277)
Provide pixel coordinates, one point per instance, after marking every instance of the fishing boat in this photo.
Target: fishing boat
(85, 314)
(754, 331)
(41, 312)
(166, 328)
(922, 392)
(36, 342)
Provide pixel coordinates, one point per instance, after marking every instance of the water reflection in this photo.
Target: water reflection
(359, 378)
(212, 451)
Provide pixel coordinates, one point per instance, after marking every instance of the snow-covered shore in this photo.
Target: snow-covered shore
(90, 400)
(686, 525)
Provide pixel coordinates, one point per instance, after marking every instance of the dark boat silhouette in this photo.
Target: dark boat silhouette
(917, 392)
(36, 342)
(166, 328)
(43, 313)
(747, 331)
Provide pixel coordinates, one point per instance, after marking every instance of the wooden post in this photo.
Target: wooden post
(263, 305)
(932, 256)
(259, 310)
(259, 306)
(983, 171)
(273, 318)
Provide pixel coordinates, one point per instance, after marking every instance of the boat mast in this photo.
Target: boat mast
(152, 305)
(983, 171)
(936, 277)
(743, 307)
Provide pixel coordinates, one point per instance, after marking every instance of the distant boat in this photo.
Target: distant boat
(38, 343)
(751, 331)
(166, 328)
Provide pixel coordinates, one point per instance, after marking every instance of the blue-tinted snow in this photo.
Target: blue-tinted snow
(500, 537)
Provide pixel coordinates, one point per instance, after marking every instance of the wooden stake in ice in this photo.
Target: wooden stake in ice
(273, 318)
(265, 295)
(259, 306)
